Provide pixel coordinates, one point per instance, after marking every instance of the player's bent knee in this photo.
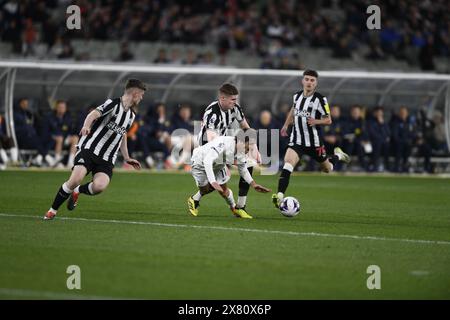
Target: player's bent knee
(99, 186)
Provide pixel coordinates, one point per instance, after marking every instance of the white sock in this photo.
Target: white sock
(53, 210)
(14, 154)
(287, 166)
(77, 189)
(242, 201)
(4, 156)
(230, 199)
(197, 196)
(66, 188)
(38, 160)
(90, 188)
(280, 195)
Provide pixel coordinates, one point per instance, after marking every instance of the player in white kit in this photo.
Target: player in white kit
(210, 171)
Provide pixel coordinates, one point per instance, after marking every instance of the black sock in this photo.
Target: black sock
(61, 196)
(283, 182)
(334, 160)
(243, 185)
(85, 189)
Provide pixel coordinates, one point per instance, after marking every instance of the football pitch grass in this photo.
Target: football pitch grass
(137, 240)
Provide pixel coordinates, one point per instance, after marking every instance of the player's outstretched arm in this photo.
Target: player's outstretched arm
(124, 150)
(259, 187)
(243, 172)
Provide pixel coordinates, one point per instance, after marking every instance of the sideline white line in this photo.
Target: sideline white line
(291, 233)
(26, 293)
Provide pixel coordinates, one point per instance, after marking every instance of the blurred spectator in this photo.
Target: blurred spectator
(162, 56)
(402, 139)
(424, 139)
(29, 38)
(379, 135)
(190, 57)
(125, 53)
(62, 132)
(439, 137)
(6, 143)
(182, 142)
(426, 55)
(355, 136)
(267, 27)
(67, 50)
(155, 132)
(265, 122)
(175, 56)
(26, 134)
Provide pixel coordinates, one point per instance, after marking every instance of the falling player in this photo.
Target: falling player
(210, 172)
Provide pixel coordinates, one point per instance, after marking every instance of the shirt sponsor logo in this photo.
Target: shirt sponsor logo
(117, 129)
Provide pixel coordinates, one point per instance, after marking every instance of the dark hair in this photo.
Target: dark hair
(228, 89)
(135, 83)
(312, 73)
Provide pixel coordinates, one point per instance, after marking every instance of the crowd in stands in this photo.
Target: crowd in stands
(415, 31)
(378, 142)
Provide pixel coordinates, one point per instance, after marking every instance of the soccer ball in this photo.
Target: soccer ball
(289, 207)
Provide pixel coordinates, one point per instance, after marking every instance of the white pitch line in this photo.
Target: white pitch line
(291, 233)
(26, 293)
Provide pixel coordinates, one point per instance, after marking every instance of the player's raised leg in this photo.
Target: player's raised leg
(78, 173)
(291, 159)
(339, 155)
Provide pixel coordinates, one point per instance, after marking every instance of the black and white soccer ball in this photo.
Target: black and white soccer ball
(289, 207)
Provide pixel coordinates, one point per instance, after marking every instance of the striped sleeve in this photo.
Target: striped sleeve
(295, 98)
(239, 114)
(211, 119)
(106, 107)
(324, 108)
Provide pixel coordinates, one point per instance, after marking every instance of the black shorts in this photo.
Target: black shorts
(93, 163)
(317, 153)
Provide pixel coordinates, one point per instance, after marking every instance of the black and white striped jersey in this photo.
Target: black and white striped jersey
(314, 106)
(218, 120)
(107, 131)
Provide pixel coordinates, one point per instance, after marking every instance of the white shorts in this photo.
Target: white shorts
(222, 176)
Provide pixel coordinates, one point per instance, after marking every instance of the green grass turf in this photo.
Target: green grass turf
(172, 262)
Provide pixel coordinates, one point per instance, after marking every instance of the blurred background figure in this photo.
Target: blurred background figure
(62, 133)
(355, 136)
(379, 135)
(403, 137)
(182, 141)
(266, 122)
(6, 143)
(27, 135)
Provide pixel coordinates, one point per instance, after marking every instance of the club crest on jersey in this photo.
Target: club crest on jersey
(117, 129)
